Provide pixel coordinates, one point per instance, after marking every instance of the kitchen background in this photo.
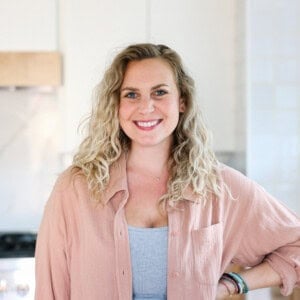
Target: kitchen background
(243, 54)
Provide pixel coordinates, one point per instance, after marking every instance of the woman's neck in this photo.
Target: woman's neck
(150, 159)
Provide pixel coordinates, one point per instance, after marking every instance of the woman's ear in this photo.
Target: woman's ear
(181, 105)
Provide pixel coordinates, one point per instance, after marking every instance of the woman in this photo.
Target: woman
(147, 212)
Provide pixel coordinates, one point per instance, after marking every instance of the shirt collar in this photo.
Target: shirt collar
(118, 179)
(188, 194)
(118, 182)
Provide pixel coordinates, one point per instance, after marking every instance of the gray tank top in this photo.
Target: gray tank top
(149, 256)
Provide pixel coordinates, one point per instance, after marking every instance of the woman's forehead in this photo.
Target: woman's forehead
(151, 70)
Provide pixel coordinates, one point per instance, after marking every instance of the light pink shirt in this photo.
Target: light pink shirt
(83, 248)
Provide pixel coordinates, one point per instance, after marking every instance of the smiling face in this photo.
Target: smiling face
(149, 103)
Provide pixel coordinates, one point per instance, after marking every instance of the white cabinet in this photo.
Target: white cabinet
(204, 33)
(28, 25)
(92, 32)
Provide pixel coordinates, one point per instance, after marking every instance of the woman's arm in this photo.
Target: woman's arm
(261, 276)
(51, 270)
(258, 277)
(267, 236)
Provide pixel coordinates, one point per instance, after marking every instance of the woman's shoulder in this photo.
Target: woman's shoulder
(70, 178)
(237, 182)
(229, 174)
(69, 190)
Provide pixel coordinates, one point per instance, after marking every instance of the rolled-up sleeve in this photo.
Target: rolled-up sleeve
(285, 259)
(286, 264)
(269, 232)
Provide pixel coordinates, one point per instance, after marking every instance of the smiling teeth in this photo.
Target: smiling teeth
(147, 124)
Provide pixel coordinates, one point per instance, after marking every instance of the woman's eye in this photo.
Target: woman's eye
(131, 95)
(160, 92)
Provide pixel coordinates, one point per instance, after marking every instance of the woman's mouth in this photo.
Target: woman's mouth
(147, 125)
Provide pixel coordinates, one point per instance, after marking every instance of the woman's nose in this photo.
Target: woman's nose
(146, 105)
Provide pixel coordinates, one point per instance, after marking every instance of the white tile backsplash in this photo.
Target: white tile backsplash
(286, 122)
(262, 25)
(263, 121)
(287, 45)
(262, 97)
(287, 18)
(274, 80)
(264, 46)
(287, 71)
(287, 97)
(262, 71)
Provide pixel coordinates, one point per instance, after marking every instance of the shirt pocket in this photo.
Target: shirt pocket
(207, 245)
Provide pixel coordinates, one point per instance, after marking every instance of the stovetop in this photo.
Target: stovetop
(17, 244)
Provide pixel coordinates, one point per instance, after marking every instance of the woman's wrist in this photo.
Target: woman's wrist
(233, 283)
(234, 280)
(229, 287)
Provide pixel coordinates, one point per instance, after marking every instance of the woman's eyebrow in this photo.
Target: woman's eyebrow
(158, 86)
(128, 88)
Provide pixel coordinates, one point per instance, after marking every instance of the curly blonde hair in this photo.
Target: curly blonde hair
(191, 161)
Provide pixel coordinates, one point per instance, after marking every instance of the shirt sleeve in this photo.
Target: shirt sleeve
(270, 232)
(51, 269)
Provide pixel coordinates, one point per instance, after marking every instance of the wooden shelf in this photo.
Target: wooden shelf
(30, 69)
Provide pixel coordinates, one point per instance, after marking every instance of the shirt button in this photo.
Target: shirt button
(175, 274)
